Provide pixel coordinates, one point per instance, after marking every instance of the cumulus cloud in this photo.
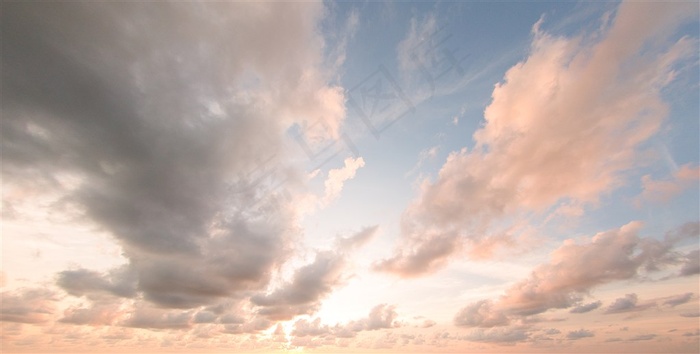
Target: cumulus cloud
(171, 121)
(312, 282)
(302, 295)
(575, 269)
(583, 308)
(628, 304)
(549, 133)
(119, 282)
(480, 314)
(304, 327)
(381, 316)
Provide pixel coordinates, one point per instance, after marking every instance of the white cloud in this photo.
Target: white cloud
(337, 178)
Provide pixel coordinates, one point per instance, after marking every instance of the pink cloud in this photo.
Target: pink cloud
(27, 305)
(573, 270)
(665, 190)
(562, 127)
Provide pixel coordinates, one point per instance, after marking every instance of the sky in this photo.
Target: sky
(350, 177)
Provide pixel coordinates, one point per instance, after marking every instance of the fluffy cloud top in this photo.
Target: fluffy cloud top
(563, 127)
(380, 317)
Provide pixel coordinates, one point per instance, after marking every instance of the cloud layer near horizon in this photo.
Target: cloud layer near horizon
(576, 269)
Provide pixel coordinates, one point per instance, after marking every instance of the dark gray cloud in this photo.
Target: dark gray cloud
(119, 282)
(312, 282)
(302, 295)
(583, 308)
(163, 114)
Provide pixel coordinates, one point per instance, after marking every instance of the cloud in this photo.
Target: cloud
(338, 177)
(692, 263)
(691, 314)
(581, 333)
(357, 240)
(583, 99)
(312, 282)
(692, 334)
(98, 314)
(381, 316)
(583, 308)
(428, 323)
(302, 295)
(416, 49)
(497, 335)
(627, 304)
(27, 305)
(575, 269)
(552, 331)
(82, 281)
(304, 327)
(674, 301)
(664, 190)
(171, 121)
(480, 314)
(642, 337)
(148, 317)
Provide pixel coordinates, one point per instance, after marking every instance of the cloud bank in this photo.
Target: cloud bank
(165, 126)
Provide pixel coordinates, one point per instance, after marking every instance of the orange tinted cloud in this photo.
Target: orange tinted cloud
(563, 126)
